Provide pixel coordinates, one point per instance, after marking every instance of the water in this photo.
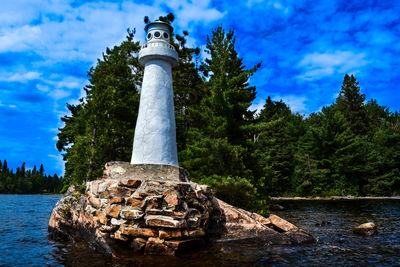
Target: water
(24, 241)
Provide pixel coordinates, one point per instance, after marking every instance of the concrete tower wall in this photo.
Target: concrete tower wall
(155, 133)
(155, 136)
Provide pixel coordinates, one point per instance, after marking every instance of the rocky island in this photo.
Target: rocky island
(156, 210)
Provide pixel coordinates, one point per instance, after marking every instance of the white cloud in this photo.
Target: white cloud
(42, 88)
(19, 39)
(18, 77)
(296, 103)
(257, 107)
(195, 11)
(68, 82)
(272, 4)
(319, 65)
(59, 94)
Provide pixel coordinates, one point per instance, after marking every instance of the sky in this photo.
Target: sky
(306, 47)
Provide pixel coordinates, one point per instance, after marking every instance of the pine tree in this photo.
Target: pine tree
(101, 126)
(217, 145)
(385, 158)
(350, 103)
(332, 156)
(41, 170)
(275, 147)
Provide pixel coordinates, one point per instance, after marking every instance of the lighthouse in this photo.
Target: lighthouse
(155, 133)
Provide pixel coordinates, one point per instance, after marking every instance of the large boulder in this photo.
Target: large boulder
(156, 210)
(365, 229)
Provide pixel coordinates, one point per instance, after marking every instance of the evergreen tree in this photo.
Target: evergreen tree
(5, 167)
(217, 145)
(41, 170)
(275, 147)
(101, 127)
(350, 103)
(23, 182)
(376, 115)
(385, 180)
(332, 156)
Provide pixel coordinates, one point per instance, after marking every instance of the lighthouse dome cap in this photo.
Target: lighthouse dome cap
(159, 23)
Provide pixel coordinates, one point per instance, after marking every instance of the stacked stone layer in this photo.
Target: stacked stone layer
(154, 216)
(153, 209)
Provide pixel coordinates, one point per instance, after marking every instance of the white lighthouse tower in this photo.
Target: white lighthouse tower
(155, 133)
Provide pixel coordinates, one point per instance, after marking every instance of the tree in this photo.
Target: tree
(385, 156)
(274, 148)
(332, 158)
(350, 103)
(101, 126)
(218, 144)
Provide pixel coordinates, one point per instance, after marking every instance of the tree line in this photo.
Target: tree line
(350, 147)
(28, 181)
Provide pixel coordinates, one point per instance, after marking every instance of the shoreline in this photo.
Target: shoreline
(334, 198)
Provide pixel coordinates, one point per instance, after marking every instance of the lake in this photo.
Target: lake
(24, 241)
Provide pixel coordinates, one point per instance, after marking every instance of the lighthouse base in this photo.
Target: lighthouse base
(127, 211)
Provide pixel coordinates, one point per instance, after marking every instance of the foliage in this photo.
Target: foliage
(216, 141)
(236, 191)
(26, 181)
(66, 213)
(100, 128)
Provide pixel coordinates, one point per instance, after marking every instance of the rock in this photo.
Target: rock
(282, 224)
(113, 211)
(94, 188)
(150, 213)
(118, 235)
(95, 202)
(197, 233)
(101, 217)
(130, 213)
(139, 232)
(167, 212)
(130, 183)
(108, 228)
(117, 222)
(164, 221)
(169, 234)
(89, 209)
(152, 202)
(135, 202)
(105, 194)
(138, 244)
(116, 200)
(119, 192)
(365, 229)
(172, 200)
(156, 246)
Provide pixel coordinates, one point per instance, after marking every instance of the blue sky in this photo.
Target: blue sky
(306, 47)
